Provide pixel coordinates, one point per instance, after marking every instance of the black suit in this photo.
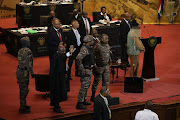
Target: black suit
(73, 41)
(100, 109)
(101, 17)
(124, 30)
(82, 28)
(53, 41)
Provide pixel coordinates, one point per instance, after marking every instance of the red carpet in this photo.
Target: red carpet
(166, 89)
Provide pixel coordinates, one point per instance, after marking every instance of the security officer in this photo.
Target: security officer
(25, 61)
(85, 61)
(102, 57)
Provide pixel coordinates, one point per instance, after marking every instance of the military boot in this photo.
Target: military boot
(92, 96)
(86, 103)
(24, 110)
(80, 106)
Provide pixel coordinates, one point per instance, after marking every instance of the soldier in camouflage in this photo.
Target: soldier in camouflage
(102, 57)
(85, 61)
(25, 65)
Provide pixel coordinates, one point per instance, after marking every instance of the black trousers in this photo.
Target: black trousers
(124, 56)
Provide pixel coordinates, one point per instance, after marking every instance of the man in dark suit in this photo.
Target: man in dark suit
(74, 16)
(103, 17)
(101, 107)
(54, 37)
(50, 18)
(84, 25)
(74, 39)
(124, 30)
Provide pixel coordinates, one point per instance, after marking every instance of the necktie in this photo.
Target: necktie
(78, 39)
(59, 36)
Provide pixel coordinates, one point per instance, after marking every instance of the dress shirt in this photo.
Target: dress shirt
(76, 16)
(146, 114)
(106, 102)
(105, 18)
(128, 23)
(87, 25)
(77, 36)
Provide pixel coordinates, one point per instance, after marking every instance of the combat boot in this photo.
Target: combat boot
(86, 103)
(92, 96)
(25, 110)
(80, 106)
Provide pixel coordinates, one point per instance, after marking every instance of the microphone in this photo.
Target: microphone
(147, 30)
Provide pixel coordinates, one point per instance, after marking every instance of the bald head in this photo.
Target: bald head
(84, 14)
(75, 11)
(127, 16)
(56, 23)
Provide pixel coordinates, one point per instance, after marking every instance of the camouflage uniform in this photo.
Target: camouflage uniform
(101, 70)
(85, 79)
(25, 61)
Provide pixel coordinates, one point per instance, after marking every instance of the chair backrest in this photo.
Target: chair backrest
(95, 14)
(116, 52)
(44, 20)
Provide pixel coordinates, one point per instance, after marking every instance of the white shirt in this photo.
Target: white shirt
(87, 25)
(106, 102)
(78, 40)
(127, 23)
(57, 32)
(106, 17)
(146, 114)
(76, 16)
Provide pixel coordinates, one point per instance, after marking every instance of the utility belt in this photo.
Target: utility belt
(25, 68)
(88, 67)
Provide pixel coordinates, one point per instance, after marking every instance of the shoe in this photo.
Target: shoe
(24, 111)
(92, 99)
(86, 103)
(28, 107)
(58, 110)
(80, 106)
(128, 65)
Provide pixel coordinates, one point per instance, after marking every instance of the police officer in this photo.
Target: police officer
(25, 61)
(102, 57)
(85, 61)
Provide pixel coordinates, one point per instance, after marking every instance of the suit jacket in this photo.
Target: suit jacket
(82, 28)
(101, 17)
(53, 40)
(124, 30)
(100, 109)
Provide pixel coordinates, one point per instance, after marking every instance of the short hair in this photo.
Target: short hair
(72, 21)
(102, 8)
(56, 19)
(103, 90)
(148, 104)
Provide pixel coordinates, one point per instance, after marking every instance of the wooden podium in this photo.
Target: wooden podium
(148, 70)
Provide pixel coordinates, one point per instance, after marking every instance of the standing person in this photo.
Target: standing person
(74, 39)
(85, 25)
(85, 61)
(50, 19)
(25, 65)
(103, 17)
(96, 36)
(134, 47)
(101, 106)
(74, 16)
(124, 29)
(58, 91)
(54, 37)
(147, 114)
(102, 57)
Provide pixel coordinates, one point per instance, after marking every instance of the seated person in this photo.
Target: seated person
(103, 17)
(147, 114)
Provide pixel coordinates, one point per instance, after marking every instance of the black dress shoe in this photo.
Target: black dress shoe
(28, 107)
(80, 106)
(24, 111)
(86, 103)
(58, 110)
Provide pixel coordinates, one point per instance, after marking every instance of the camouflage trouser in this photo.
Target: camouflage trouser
(85, 84)
(101, 72)
(23, 81)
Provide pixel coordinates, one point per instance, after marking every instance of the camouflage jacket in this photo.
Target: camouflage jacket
(102, 54)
